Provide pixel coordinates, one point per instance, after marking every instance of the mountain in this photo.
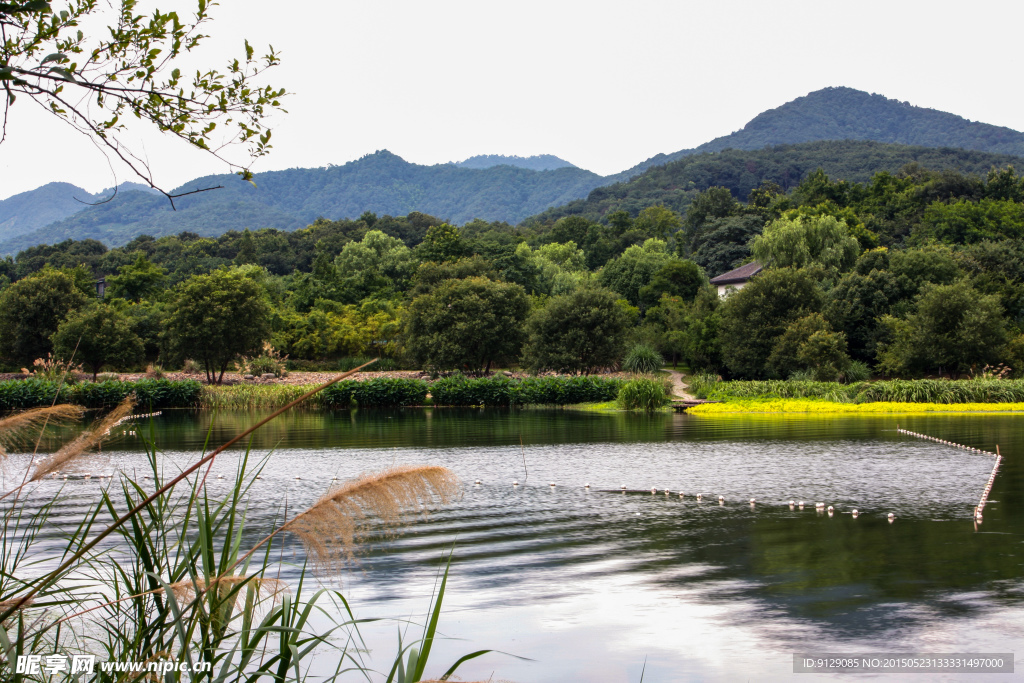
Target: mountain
(539, 162)
(848, 114)
(675, 184)
(381, 182)
(511, 189)
(29, 211)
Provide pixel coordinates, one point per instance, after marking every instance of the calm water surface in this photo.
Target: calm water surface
(587, 584)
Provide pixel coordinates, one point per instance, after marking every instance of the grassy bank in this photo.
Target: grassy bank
(821, 407)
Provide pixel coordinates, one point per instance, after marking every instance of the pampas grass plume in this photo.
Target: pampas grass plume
(329, 529)
(85, 441)
(13, 427)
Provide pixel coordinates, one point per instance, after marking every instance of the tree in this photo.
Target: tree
(98, 335)
(756, 316)
(952, 327)
(806, 241)
(810, 344)
(658, 221)
(682, 279)
(579, 332)
(137, 281)
(442, 243)
(634, 269)
(133, 67)
(467, 324)
(377, 263)
(216, 317)
(32, 309)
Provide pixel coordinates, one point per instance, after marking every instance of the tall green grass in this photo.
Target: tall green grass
(643, 393)
(899, 390)
(251, 396)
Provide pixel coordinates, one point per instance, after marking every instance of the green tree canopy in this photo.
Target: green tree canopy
(214, 318)
(806, 241)
(97, 335)
(635, 268)
(578, 332)
(676, 278)
(755, 317)
(32, 309)
(952, 327)
(137, 281)
(467, 324)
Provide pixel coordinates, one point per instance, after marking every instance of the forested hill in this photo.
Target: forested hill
(675, 184)
(848, 114)
(381, 183)
(538, 162)
(29, 211)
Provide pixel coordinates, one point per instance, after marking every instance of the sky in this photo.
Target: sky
(603, 85)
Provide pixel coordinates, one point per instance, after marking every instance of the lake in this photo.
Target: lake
(596, 585)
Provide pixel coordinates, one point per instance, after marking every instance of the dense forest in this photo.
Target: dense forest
(909, 273)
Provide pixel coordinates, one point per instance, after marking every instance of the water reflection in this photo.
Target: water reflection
(588, 582)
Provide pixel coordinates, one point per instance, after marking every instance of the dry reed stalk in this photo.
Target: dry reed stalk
(266, 588)
(85, 441)
(330, 527)
(13, 427)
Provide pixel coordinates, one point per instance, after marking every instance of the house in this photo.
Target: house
(736, 279)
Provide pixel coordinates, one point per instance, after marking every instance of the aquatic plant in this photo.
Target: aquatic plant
(643, 393)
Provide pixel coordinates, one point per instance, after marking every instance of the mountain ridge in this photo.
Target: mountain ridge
(384, 183)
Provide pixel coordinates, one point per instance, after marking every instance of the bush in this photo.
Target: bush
(642, 358)
(151, 393)
(501, 391)
(377, 392)
(897, 391)
(642, 393)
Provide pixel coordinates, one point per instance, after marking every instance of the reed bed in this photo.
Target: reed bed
(251, 396)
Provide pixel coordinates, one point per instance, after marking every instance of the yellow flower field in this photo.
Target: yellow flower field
(818, 407)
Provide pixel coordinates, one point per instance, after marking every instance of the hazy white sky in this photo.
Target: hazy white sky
(602, 85)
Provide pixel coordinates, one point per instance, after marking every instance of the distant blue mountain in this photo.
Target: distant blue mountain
(539, 162)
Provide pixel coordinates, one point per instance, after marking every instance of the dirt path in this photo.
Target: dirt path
(678, 386)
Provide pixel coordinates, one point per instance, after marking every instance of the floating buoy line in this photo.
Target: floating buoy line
(992, 477)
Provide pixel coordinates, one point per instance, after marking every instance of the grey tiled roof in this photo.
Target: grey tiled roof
(741, 274)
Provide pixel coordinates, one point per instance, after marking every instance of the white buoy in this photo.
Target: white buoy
(552, 484)
(515, 482)
(801, 505)
(891, 516)
(259, 476)
(220, 476)
(752, 501)
(334, 478)
(700, 496)
(830, 508)
(791, 503)
(855, 513)
(87, 475)
(586, 486)
(477, 482)
(680, 494)
(623, 487)
(819, 505)
(653, 490)
(297, 477)
(666, 492)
